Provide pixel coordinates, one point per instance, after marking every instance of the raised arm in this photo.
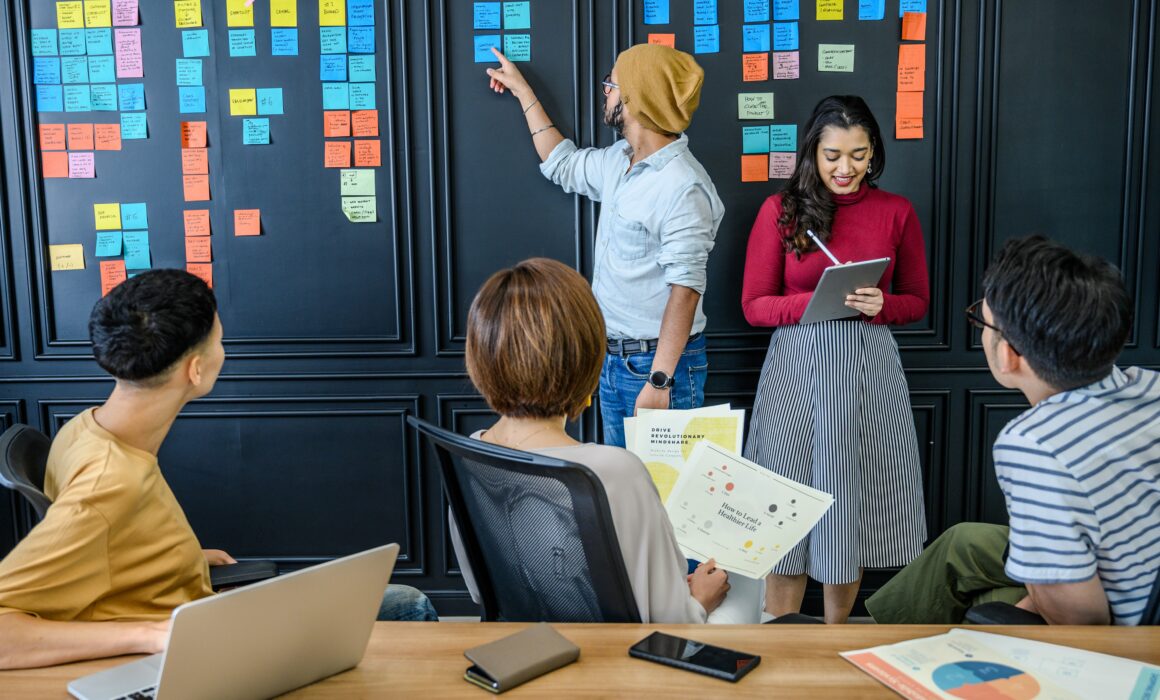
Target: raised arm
(545, 135)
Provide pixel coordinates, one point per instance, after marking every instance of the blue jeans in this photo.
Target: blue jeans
(624, 376)
(403, 603)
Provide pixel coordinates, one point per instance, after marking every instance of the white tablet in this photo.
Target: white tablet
(829, 299)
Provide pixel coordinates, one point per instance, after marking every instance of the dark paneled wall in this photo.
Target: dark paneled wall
(1040, 116)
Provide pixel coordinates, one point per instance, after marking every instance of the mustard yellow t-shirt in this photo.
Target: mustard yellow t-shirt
(114, 545)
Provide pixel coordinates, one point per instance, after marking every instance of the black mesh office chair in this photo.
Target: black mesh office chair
(537, 530)
(1007, 614)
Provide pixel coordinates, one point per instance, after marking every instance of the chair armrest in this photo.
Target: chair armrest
(241, 574)
(1001, 614)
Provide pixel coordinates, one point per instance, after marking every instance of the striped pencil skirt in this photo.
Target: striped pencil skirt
(832, 411)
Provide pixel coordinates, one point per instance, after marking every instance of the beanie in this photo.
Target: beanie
(659, 86)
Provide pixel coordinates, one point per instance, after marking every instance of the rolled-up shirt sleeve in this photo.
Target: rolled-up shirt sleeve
(577, 170)
(688, 235)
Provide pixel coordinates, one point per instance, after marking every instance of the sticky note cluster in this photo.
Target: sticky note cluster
(911, 85)
(122, 230)
(515, 21)
(258, 103)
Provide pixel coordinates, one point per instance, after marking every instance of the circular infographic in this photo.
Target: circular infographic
(975, 680)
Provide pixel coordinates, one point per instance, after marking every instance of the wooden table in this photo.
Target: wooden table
(417, 659)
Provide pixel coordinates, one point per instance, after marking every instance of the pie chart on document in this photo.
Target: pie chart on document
(976, 680)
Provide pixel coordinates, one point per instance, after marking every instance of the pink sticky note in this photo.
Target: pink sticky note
(781, 165)
(786, 65)
(127, 43)
(81, 165)
(124, 13)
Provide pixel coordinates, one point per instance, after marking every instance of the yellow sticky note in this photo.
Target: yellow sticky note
(830, 9)
(70, 256)
(187, 13)
(243, 102)
(283, 13)
(332, 13)
(98, 13)
(239, 14)
(108, 216)
(70, 15)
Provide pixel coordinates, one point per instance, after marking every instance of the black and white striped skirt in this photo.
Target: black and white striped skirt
(832, 411)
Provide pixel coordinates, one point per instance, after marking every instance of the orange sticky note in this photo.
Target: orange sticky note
(112, 274)
(907, 128)
(54, 163)
(196, 222)
(669, 40)
(337, 154)
(909, 105)
(108, 136)
(52, 137)
(754, 66)
(198, 249)
(80, 137)
(247, 222)
(336, 123)
(755, 168)
(911, 67)
(914, 26)
(196, 187)
(202, 270)
(364, 122)
(195, 161)
(193, 135)
(367, 154)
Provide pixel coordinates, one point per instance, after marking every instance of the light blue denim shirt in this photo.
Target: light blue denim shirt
(658, 222)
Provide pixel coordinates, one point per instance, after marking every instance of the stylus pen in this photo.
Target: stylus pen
(822, 246)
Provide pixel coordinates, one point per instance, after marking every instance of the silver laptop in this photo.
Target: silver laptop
(261, 640)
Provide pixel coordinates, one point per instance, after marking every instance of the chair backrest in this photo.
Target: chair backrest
(23, 456)
(538, 533)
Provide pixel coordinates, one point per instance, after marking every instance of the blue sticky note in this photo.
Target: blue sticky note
(331, 67)
(103, 97)
(517, 47)
(195, 43)
(361, 68)
(49, 98)
(785, 9)
(136, 249)
(133, 126)
(102, 69)
(518, 15)
(283, 41)
(360, 39)
(189, 71)
(487, 15)
(255, 132)
(242, 42)
(755, 139)
(132, 97)
(360, 13)
(785, 36)
(332, 39)
(903, 8)
(74, 69)
(335, 96)
(362, 96)
(756, 10)
(45, 70)
(99, 42)
(44, 42)
(783, 138)
(269, 100)
(483, 46)
(706, 39)
(656, 11)
(755, 37)
(108, 243)
(134, 215)
(871, 9)
(72, 42)
(191, 99)
(704, 11)
(77, 98)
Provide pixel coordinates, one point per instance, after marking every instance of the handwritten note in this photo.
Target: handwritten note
(112, 274)
(755, 139)
(247, 222)
(756, 10)
(131, 97)
(360, 13)
(196, 222)
(362, 95)
(195, 188)
(911, 67)
(914, 26)
(754, 67)
(783, 138)
(52, 137)
(785, 10)
(103, 97)
(283, 42)
(198, 249)
(239, 13)
(518, 15)
(194, 161)
(360, 39)
(356, 183)
(44, 42)
(786, 65)
(484, 43)
(367, 153)
(54, 163)
(269, 100)
(136, 250)
(781, 165)
(704, 11)
(134, 215)
(195, 43)
(830, 9)
(336, 123)
(68, 256)
(656, 11)
(127, 43)
(755, 105)
(836, 58)
(70, 15)
(487, 15)
(785, 36)
(107, 217)
(134, 125)
(364, 122)
(77, 98)
(99, 42)
(193, 135)
(187, 13)
(81, 165)
(189, 71)
(669, 40)
(283, 13)
(73, 69)
(871, 9)
(707, 39)
(905, 6)
(335, 96)
(332, 67)
(517, 47)
(243, 102)
(107, 137)
(108, 244)
(72, 42)
(243, 43)
(49, 98)
(204, 271)
(255, 132)
(80, 137)
(332, 40)
(332, 13)
(360, 210)
(336, 154)
(361, 68)
(755, 168)
(124, 13)
(755, 37)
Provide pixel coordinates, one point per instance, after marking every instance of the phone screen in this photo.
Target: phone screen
(718, 659)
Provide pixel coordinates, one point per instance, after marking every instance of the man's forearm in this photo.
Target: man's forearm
(676, 323)
(29, 642)
(545, 139)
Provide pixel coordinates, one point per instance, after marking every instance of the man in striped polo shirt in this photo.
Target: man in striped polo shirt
(1080, 469)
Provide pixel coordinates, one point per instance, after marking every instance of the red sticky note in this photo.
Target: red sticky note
(247, 222)
(81, 165)
(202, 270)
(108, 137)
(909, 105)
(195, 161)
(52, 137)
(905, 128)
(364, 122)
(196, 222)
(755, 168)
(196, 187)
(198, 249)
(754, 66)
(367, 154)
(669, 40)
(112, 274)
(911, 67)
(337, 154)
(336, 123)
(914, 26)
(80, 137)
(193, 135)
(54, 163)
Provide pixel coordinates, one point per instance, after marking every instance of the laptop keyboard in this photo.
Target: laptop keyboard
(143, 694)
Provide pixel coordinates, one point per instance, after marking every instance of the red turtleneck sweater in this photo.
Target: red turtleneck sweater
(869, 224)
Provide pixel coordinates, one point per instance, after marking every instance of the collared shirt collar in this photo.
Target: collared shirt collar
(662, 157)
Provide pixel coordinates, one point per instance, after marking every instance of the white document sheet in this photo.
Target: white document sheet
(664, 439)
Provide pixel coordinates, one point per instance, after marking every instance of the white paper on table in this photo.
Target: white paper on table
(735, 511)
(664, 438)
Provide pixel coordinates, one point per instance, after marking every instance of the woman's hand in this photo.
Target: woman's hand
(868, 300)
(508, 77)
(217, 557)
(708, 585)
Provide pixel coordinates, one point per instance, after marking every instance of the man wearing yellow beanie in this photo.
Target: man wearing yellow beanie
(658, 219)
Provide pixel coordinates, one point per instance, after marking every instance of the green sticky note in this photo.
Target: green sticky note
(836, 58)
(358, 182)
(755, 105)
(360, 209)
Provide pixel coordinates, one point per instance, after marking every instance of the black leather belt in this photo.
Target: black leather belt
(630, 346)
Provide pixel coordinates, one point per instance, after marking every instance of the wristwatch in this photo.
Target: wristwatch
(660, 380)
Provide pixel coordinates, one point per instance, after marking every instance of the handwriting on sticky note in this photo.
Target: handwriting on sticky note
(836, 58)
(830, 9)
(112, 274)
(98, 13)
(187, 13)
(336, 123)
(136, 250)
(193, 135)
(243, 102)
(247, 222)
(360, 210)
(786, 65)
(196, 187)
(755, 105)
(196, 222)
(754, 67)
(909, 105)
(202, 270)
(107, 137)
(52, 137)
(357, 183)
(69, 256)
(914, 26)
(255, 131)
(755, 168)
(124, 13)
(907, 128)
(783, 137)
(332, 13)
(198, 249)
(81, 165)
(781, 165)
(871, 9)
(755, 139)
(80, 137)
(364, 122)
(70, 15)
(127, 45)
(669, 40)
(134, 215)
(656, 11)
(108, 244)
(367, 153)
(283, 13)
(195, 161)
(336, 154)
(239, 14)
(911, 67)
(107, 216)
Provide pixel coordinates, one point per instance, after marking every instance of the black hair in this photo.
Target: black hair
(148, 322)
(806, 203)
(1067, 313)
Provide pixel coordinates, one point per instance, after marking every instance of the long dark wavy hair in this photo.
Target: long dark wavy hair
(806, 203)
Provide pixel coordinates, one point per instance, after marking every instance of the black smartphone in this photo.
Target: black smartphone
(697, 657)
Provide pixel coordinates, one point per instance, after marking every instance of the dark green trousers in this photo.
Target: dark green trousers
(962, 568)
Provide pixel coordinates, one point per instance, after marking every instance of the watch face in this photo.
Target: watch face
(660, 380)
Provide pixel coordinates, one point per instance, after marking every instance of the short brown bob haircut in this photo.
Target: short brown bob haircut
(535, 341)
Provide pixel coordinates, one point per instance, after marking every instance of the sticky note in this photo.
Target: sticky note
(112, 274)
(783, 137)
(361, 68)
(755, 168)
(107, 217)
(70, 15)
(332, 67)
(360, 13)
(755, 139)
(909, 105)
(134, 215)
(335, 96)
(336, 154)
(68, 256)
(247, 222)
(81, 165)
(99, 42)
(911, 6)
(198, 249)
(54, 163)
(80, 137)
(124, 13)
(786, 65)
(127, 43)
(255, 132)
(72, 42)
(907, 129)
(656, 11)
(755, 37)
(134, 125)
(108, 244)
(98, 13)
(187, 13)
(706, 39)
(269, 100)
(49, 98)
(44, 42)
(283, 13)
(196, 222)
(202, 270)
(669, 40)
(354, 183)
(781, 165)
(755, 105)
(487, 15)
(195, 43)
(518, 15)
(332, 40)
(193, 135)
(101, 69)
(914, 26)
(484, 43)
(77, 98)
(360, 39)
(517, 47)
(367, 153)
(830, 9)
(283, 42)
(194, 161)
(242, 42)
(704, 12)
(336, 123)
(785, 10)
(785, 36)
(189, 71)
(332, 13)
(239, 13)
(754, 67)
(103, 97)
(46, 70)
(243, 102)
(911, 67)
(871, 9)
(195, 187)
(107, 137)
(756, 10)
(136, 245)
(52, 137)
(364, 122)
(836, 58)
(131, 97)
(360, 210)
(362, 96)
(74, 69)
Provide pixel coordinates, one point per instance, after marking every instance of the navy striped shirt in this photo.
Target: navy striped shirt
(1081, 475)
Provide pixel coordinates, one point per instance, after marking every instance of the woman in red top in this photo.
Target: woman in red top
(832, 408)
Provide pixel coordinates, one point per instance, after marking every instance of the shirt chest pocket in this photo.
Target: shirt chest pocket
(630, 239)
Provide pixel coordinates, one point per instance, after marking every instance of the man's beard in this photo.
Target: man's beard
(616, 119)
